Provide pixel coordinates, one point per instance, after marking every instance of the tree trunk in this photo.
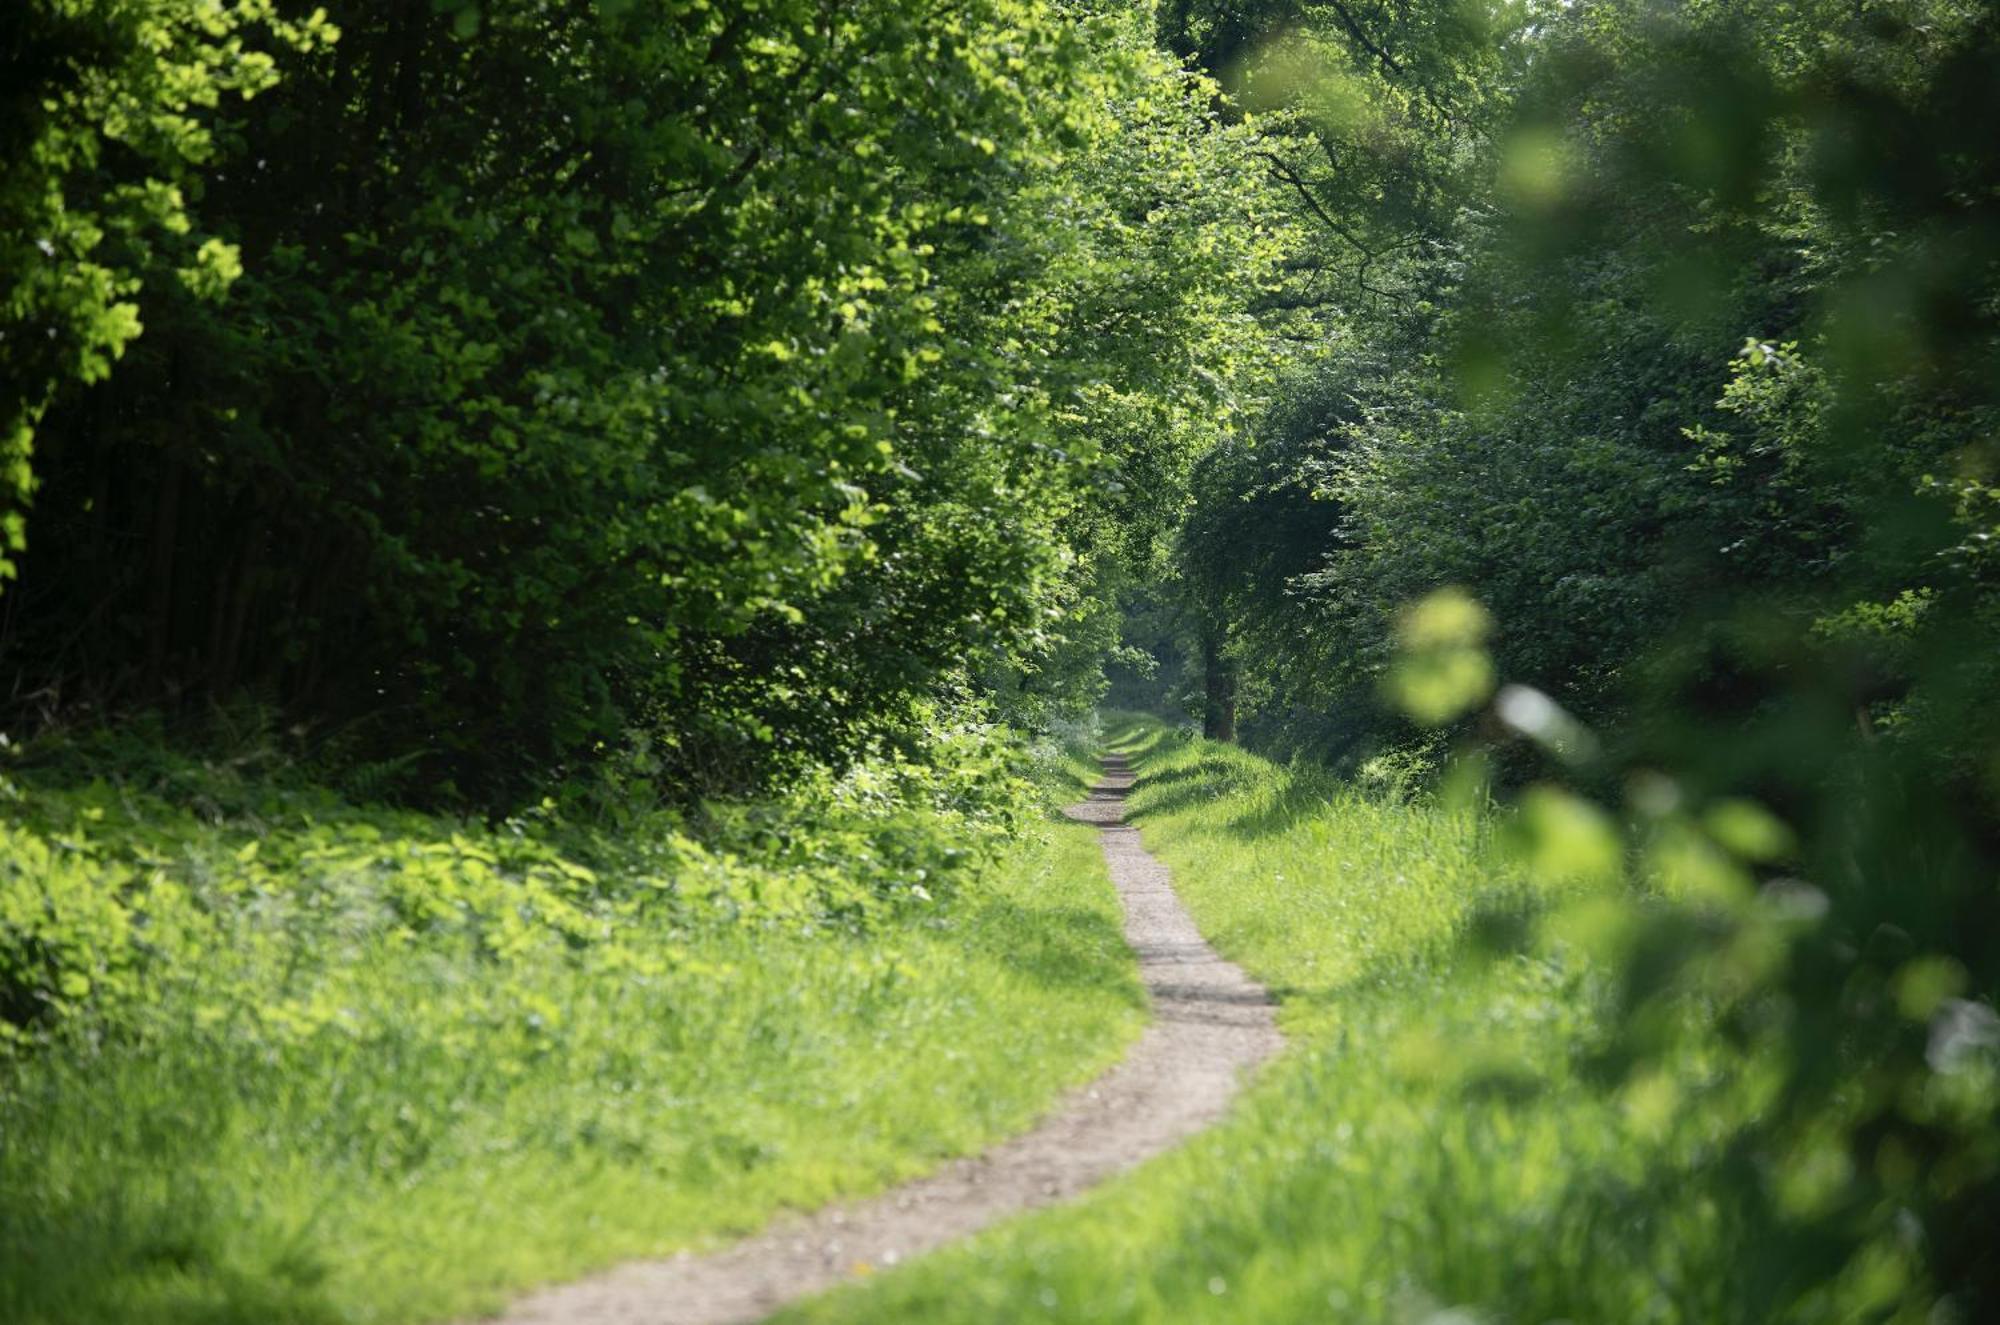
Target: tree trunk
(1218, 674)
(229, 657)
(160, 593)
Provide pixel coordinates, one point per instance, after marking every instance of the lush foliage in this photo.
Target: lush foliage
(1431, 1142)
(554, 414)
(1674, 412)
(1459, 1133)
(1699, 326)
(273, 1055)
(723, 378)
(107, 118)
(570, 411)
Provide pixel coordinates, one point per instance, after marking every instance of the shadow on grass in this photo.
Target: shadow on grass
(1138, 735)
(1174, 800)
(1226, 773)
(1280, 814)
(1212, 777)
(1500, 925)
(1068, 947)
(98, 1256)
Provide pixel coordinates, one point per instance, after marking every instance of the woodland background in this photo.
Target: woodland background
(702, 441)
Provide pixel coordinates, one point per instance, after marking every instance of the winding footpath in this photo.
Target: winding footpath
(1210, 1024)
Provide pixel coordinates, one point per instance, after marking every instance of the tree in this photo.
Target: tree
(107, 125)
(727, 378)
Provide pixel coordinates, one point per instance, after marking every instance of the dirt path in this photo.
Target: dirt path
(1210, 1023)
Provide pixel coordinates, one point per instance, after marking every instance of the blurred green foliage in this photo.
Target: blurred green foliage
(1677, 354)
(1705, 330)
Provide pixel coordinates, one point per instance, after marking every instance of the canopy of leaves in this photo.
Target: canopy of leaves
(721, 377)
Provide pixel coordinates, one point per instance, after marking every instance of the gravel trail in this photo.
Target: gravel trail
(1210, 1024)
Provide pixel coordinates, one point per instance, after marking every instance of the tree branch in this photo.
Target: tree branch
(1286, 173)
(1356, 31)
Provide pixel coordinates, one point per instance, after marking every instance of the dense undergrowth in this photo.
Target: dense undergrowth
(274, 1055)
(1451, 1137)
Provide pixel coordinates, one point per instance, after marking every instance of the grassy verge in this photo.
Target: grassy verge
(278, 1057)
(1431, 1148)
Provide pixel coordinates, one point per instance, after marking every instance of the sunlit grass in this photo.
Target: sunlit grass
(1431, 1148)
(463, 1125)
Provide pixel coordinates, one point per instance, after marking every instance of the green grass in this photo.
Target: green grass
(345, 1064)
(1432, 1147)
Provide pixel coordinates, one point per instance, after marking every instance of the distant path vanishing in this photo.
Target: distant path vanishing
(1211, 1022)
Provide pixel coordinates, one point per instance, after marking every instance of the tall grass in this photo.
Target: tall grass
(349, 1064)
(1437, 1145)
